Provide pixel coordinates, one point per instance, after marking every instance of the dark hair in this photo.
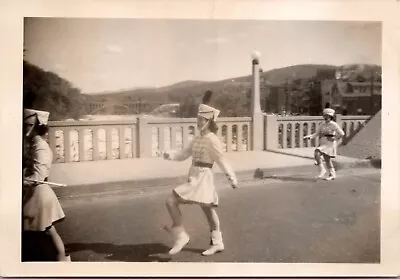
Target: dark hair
(213, 126)
(42, 130)
(333, 118)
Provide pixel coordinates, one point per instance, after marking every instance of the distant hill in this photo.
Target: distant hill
(236, 85)
(143, 91)
(279, 76)
(182, 84)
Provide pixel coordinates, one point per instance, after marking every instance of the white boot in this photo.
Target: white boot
(217, 244)
(322, 171)
(181, 238)
(332, 174)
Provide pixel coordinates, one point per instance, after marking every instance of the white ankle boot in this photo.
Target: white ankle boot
(332, 174)
(322, 171)
(181, 238)
(217, 244)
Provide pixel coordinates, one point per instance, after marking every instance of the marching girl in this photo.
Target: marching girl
(41, 209)
(205, 149)
(328, 133)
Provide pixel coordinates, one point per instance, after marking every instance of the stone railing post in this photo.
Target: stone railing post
(339, 119)
(258, 132)
(144, 137)
(258, 117)
(271, 132)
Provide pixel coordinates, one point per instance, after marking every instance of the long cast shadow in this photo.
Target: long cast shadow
(148, 252)
(290, 178)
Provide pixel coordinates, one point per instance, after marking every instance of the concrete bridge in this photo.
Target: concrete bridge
(133, 146)
(111, 147)
(132, 107)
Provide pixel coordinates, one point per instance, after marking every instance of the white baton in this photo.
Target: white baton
(46, 182)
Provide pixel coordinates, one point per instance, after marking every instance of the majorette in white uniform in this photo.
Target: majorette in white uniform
(41, 208)
(328, 133)
(200, 189)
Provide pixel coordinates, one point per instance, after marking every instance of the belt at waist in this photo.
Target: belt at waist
(327, 136)
(202, 165)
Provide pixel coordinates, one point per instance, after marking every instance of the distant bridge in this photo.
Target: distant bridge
(136, 107)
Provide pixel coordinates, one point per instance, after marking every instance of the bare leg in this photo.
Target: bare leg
(329, 164)
(320, 164)
(217, 244)
(328, 161)
(317, 157)
(181, 238)
(172, 205)
(212, 218)
(58, 243)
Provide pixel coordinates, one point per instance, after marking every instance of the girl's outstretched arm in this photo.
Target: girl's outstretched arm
(180, 155)
(311, 136)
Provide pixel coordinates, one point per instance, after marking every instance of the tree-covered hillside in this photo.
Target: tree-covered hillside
(47, 91)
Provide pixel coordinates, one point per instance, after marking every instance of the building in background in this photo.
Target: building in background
(352, 97)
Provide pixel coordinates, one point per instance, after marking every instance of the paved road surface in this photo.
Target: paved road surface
(291, 218)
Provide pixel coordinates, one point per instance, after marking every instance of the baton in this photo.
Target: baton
(46, 182)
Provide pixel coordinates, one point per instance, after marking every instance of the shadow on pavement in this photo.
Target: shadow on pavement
(290, 178)
(149, 252)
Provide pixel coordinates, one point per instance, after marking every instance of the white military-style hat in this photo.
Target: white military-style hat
(328, 111)
(32, 115)
(208, 112)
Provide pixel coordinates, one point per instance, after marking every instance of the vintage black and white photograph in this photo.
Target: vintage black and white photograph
(188, 140)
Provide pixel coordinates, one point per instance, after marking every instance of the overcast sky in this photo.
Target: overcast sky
(99, 55)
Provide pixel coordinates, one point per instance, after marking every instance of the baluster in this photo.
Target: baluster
(122, 142)
(248, 135)
(284, 135)
(348, 128)
(301, 134)
(219, 132)
(52, 143)
(356, 125)
(185, 136)
(161, 138)
(134, 141)
(317, 124)
(229, 138)
(344, 129)
(81, 144)
(306, 132)
(67, 143)
(352, 125)
(95, 143)
(109, 142)
(293, 135)
(173, 137)
(239, 139)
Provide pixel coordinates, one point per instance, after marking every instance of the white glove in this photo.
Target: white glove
(234, 184)
(233, 181)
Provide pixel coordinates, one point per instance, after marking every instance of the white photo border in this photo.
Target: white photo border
(11, 46)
